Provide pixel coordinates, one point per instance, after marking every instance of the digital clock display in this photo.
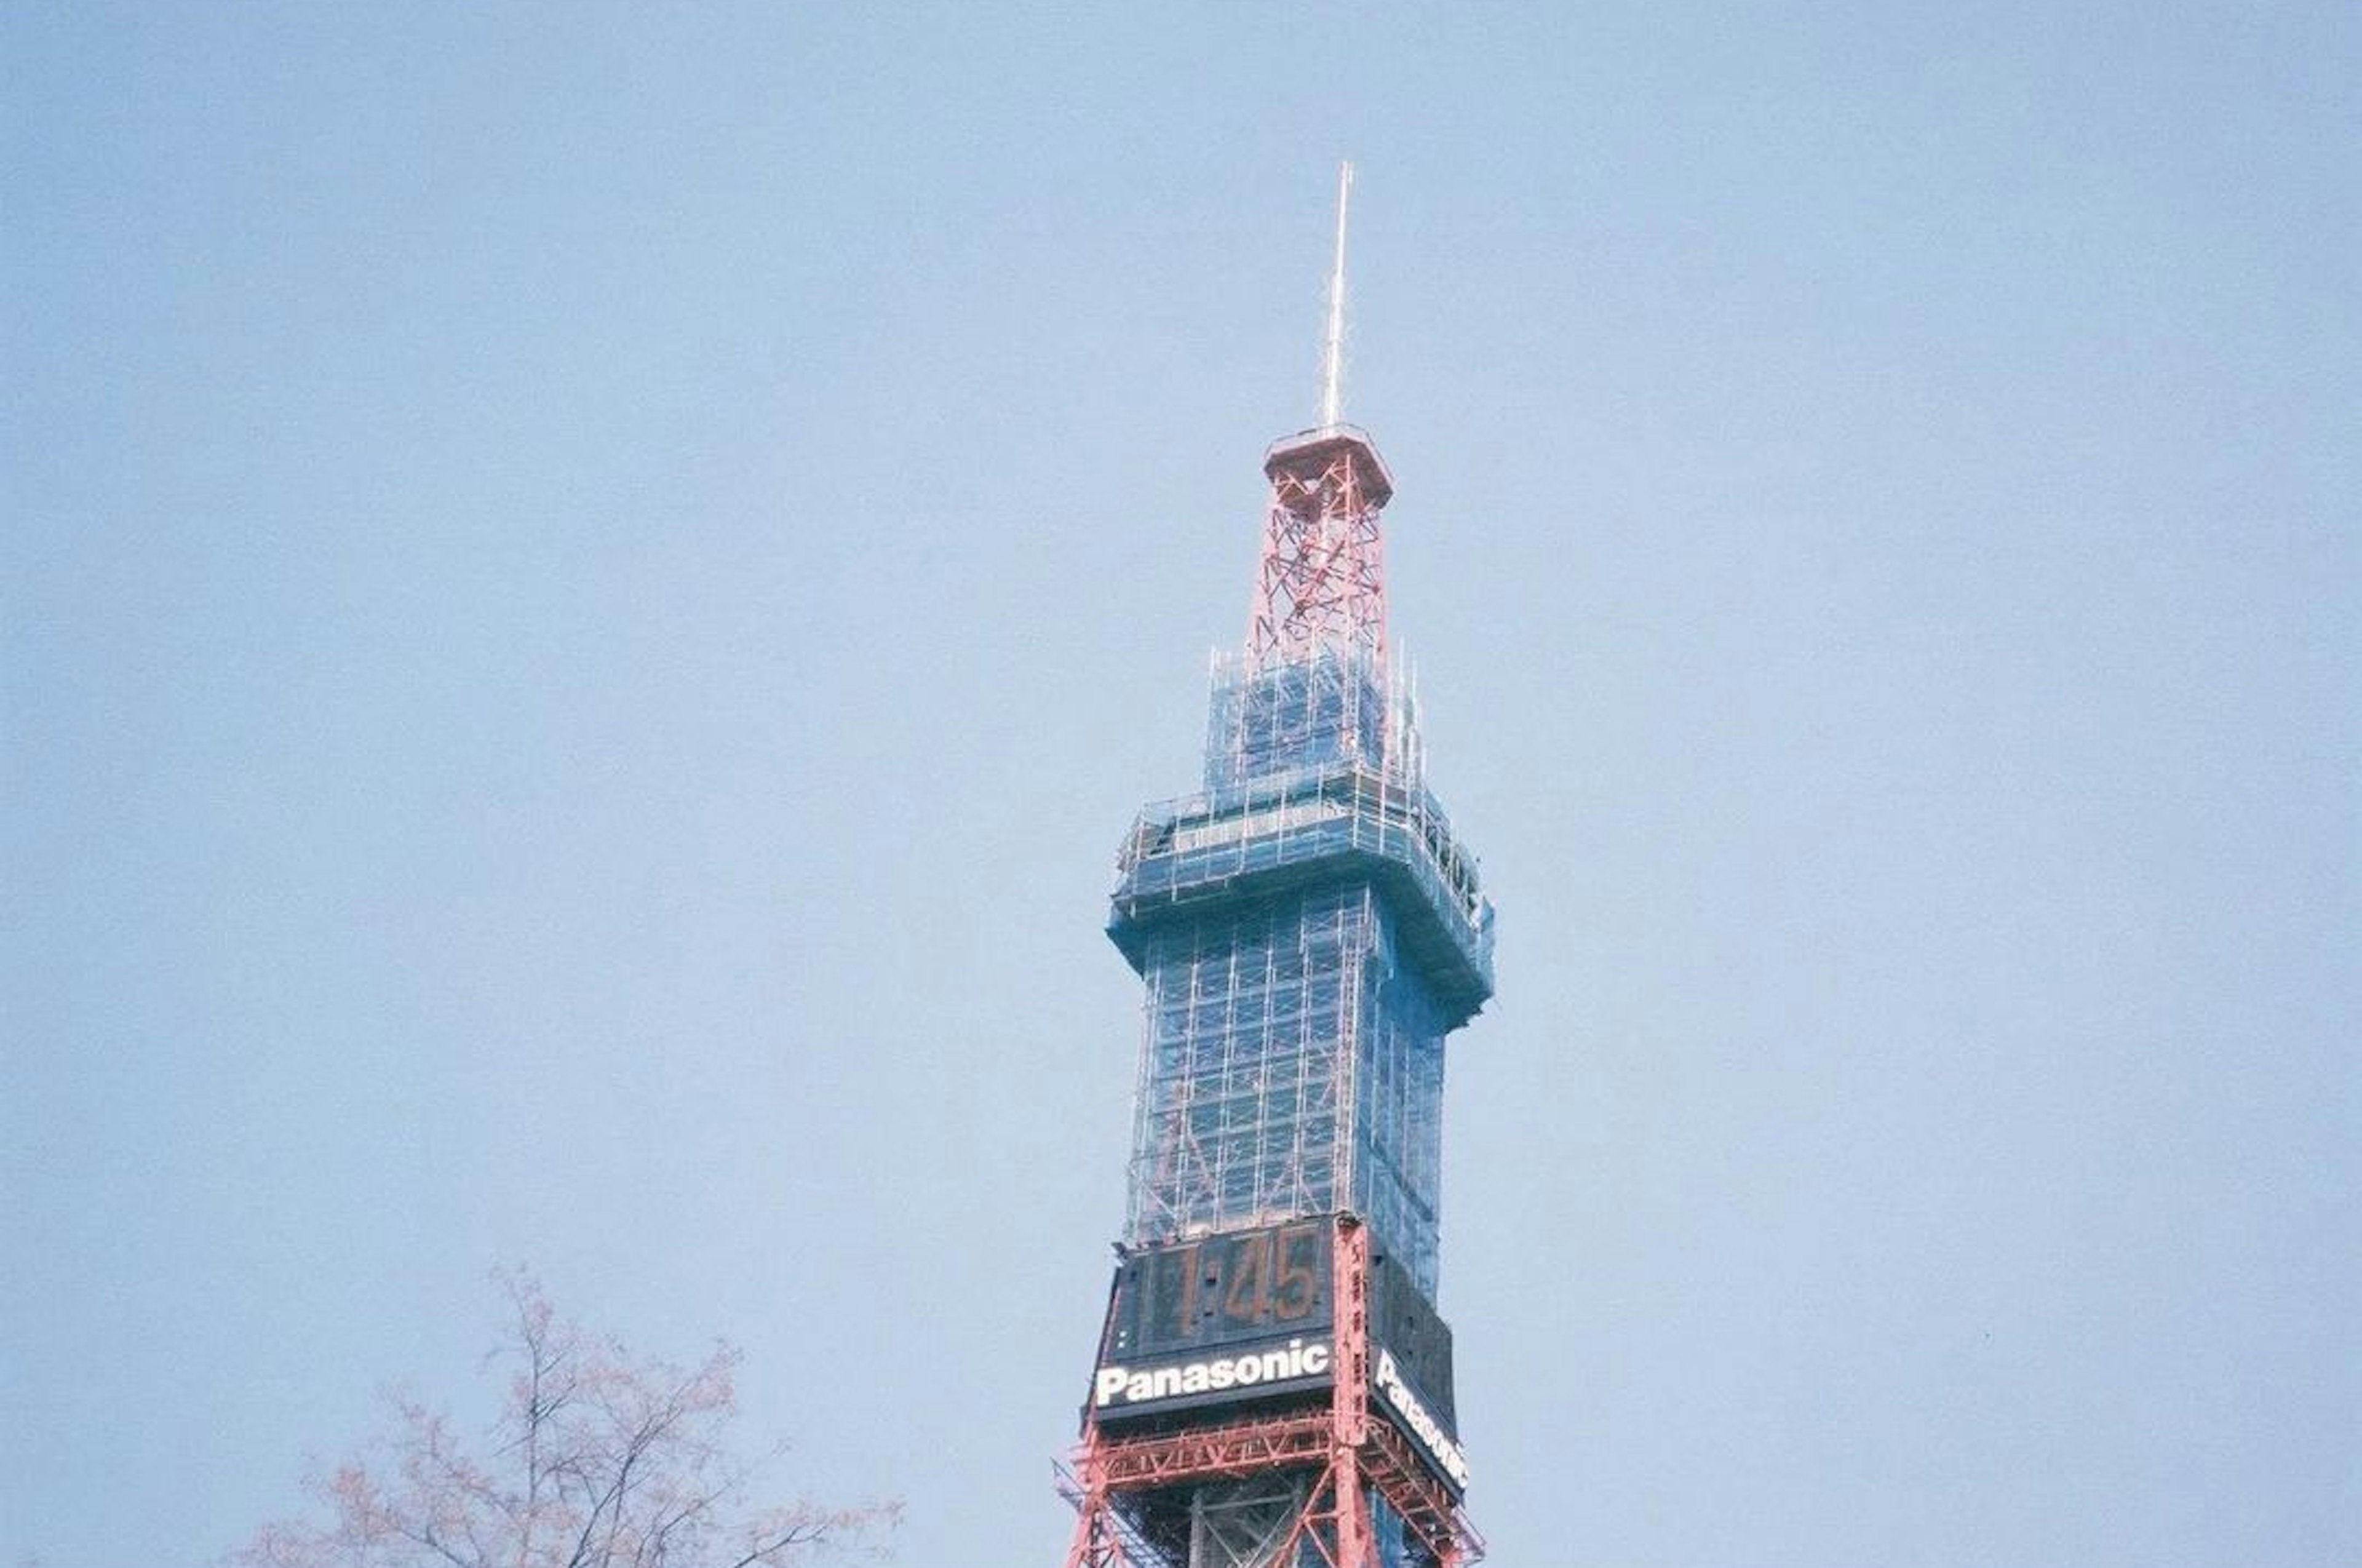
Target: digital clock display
(1248, 1315)
(1225, 1289)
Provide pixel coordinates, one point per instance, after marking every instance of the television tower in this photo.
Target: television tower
(1272, 1388)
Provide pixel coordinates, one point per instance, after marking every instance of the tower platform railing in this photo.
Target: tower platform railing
(1294, 829)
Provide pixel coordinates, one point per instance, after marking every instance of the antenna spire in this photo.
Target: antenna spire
(1332, 368)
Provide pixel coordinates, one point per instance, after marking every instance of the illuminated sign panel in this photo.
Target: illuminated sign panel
(1410, 1367)
(1240, 1315)
(1403, 1320)
(1443, 1450)
(1300, 1363)
(1250, 1314)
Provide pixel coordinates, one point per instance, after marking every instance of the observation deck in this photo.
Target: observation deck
(1305, 828)
(1308, 452)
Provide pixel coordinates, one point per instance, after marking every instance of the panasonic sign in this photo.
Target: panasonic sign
(1446, 1450)
(1119, 1388)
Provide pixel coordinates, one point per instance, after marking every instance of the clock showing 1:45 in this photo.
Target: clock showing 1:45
(1237, 1285)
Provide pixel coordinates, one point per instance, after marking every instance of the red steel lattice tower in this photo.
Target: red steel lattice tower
(1272, 1388)
(1322, 579)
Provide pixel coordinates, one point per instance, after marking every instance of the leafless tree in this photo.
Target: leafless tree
(596, 1459)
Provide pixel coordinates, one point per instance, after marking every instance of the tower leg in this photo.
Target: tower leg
(1350, 1410)
(1098, 1539)
(1246, 1524)
(1318, 1481)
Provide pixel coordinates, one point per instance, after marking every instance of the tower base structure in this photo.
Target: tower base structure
(1346, 1464)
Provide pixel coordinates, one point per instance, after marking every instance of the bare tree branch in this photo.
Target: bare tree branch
(595, 1460)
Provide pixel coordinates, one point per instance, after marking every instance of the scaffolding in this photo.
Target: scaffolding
(1324, 709)
(1323, 1482)
(1309, 929)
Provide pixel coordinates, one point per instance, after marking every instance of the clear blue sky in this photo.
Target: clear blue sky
(586, 594)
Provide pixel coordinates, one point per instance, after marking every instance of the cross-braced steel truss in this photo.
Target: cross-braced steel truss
(1326, 1485)
(1322, 579)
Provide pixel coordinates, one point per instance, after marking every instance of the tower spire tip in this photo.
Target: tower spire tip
(1332, 366)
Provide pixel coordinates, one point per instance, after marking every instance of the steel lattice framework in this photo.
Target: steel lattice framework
(1331, 1459)
(1307, 930)
(1322, 579)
